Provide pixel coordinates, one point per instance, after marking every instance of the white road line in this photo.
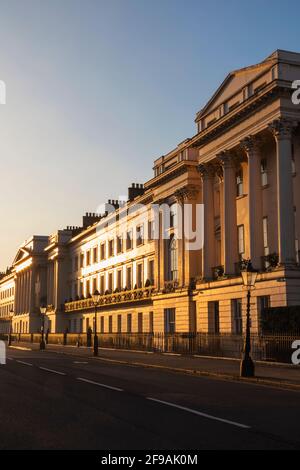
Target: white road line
(99, 384)
(25, 363)
(79, 362)
(204, 415)
(51, 370)
(10, 358)
(171, 354)
(21, 348)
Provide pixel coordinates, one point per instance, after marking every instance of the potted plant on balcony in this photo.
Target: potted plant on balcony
(271, 260)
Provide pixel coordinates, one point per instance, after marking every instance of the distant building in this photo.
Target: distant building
(243, 164)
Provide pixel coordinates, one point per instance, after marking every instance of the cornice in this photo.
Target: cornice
(177, 170)
(269, 93)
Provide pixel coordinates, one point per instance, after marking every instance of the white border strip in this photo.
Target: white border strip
(199, 413)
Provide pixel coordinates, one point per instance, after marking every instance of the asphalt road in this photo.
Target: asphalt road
(57, 401)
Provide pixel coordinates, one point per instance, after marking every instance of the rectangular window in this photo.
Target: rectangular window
(129, 323)
(140, 322)
(241, 240)
(129, 278)
(151, 272)
(213, 317)
(102, 251)
(94, 285)
(237, 318)
(102, 325)
(139, 235)
(263, 172)
(170, 320)
(239, 183)
(119, 324)
(82, 260)
(102, 284)
(119, 244)
(139, 275)
(88, 258)
(129, 240)
(265, 240)
(76, 264)
(151, 322)
(95, 254)
(111, 248)
(119, 279)
(110, 324)
(263, 303)
(110, 282)
(151, 230)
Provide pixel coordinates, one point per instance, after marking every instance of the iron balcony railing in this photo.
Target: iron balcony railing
(135, 295)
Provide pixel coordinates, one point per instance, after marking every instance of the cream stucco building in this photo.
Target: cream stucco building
(243, 165)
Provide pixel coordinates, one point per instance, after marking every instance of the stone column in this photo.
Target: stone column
(21, 291)
(179, 195)
(16, 306)
(282, 131)
(255, 211)
(207, 172)
(229, 212)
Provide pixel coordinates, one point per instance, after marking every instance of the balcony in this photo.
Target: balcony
(170, 286)
(126, 296)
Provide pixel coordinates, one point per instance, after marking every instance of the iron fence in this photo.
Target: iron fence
(272, 347)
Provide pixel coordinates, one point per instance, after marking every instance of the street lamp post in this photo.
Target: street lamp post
(249, 276)
(43, 311)
(10, 327)
(95, 297)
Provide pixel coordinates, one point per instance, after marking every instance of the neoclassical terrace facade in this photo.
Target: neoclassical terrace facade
(243, 166)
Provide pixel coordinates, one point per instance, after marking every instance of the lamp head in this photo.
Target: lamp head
(249, 275)
(43, 309)
(96, 297)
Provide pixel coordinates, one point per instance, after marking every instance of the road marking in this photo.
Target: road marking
(21, 348)
(25, 363)
(199, 413)
(171, 354)
(79, 362)
(99, 384)
(10, 358)
(51, 370)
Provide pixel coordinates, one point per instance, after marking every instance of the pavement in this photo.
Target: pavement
(268, 373)
(63, 398)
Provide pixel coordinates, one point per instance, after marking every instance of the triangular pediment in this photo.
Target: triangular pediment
(21, 255)
(234, 82)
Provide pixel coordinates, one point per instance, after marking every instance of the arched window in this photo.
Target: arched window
(173, 259)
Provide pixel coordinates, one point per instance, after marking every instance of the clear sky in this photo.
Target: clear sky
(97, 89)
